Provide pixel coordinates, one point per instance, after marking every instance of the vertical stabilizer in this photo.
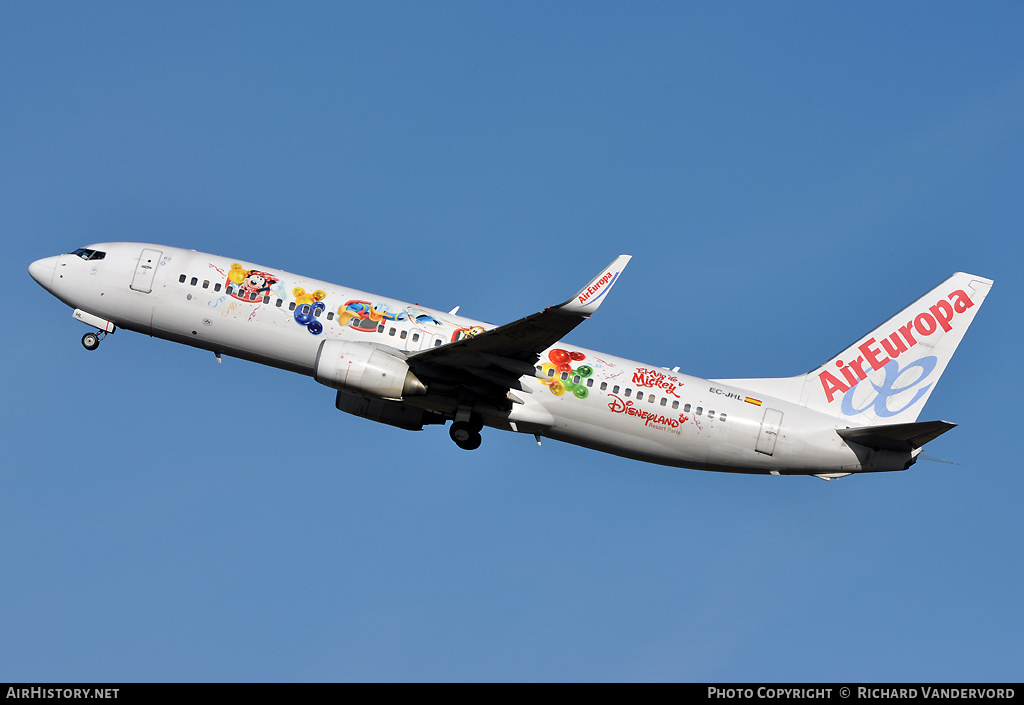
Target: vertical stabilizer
(887, 376)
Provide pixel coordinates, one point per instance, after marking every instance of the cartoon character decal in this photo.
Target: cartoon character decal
(463, 333)
(365, 316)
(249, 284)
(562, 361)
(361, 315)
(422, 318)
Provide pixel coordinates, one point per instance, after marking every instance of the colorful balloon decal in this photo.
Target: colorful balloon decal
(301, 297)
(561, 361)
(308, 306)
(305, 315)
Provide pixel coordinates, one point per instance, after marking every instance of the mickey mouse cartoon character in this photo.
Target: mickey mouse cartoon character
(250, 284)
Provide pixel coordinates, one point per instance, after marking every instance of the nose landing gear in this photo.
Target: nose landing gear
(91, 341)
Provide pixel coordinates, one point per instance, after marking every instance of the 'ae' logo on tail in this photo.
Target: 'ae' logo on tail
(888, 388)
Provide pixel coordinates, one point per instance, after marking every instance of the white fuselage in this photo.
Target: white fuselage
(579, 396)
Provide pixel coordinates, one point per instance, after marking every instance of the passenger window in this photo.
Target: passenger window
(664, 401)
(576, 379)
(228, 289)
(711, 414)
(590, 381)
(699, 410)
(437, 343)
(253, 296)
(380, 328)
(415, 337)
(194, 281)
(628, 392)
(330, 315)
(721, 417)
(181, 279)
(675, 403)
(291, 306)
(686, 408)
(206, 284)
(604, 386)
(266, 299)
(551, 372)
(403, 336)
(639, 396)
(216, 287)
(565, 376)
(280, 302)
(615, 389)
(391, 332)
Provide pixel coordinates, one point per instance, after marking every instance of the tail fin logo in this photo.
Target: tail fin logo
(879, 355)
(888, 389)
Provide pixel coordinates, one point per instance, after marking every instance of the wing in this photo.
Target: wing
(490, 364)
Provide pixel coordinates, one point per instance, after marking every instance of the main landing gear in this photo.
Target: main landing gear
(466, 434)
(91, 341)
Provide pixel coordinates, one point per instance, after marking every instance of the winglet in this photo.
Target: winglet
(590, 297)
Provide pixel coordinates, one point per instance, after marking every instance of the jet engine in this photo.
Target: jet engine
(366, 370)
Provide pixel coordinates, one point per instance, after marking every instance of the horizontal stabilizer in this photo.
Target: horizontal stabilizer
(898, 437)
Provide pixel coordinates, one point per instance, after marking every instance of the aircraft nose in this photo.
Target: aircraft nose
(42, 270)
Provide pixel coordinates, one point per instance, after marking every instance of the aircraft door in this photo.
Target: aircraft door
(419, 339)
(145, 270)
(416, 339)
(769, 431)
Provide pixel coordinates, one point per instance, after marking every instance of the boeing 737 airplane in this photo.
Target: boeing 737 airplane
(410, 366)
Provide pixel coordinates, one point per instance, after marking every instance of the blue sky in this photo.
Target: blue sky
(786, 176)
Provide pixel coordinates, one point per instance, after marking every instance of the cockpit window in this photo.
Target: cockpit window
(89, 254)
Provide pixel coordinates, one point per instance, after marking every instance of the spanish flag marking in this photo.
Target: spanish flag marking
(751, 400)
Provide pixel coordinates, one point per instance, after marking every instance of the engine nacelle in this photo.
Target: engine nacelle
(366, 370)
